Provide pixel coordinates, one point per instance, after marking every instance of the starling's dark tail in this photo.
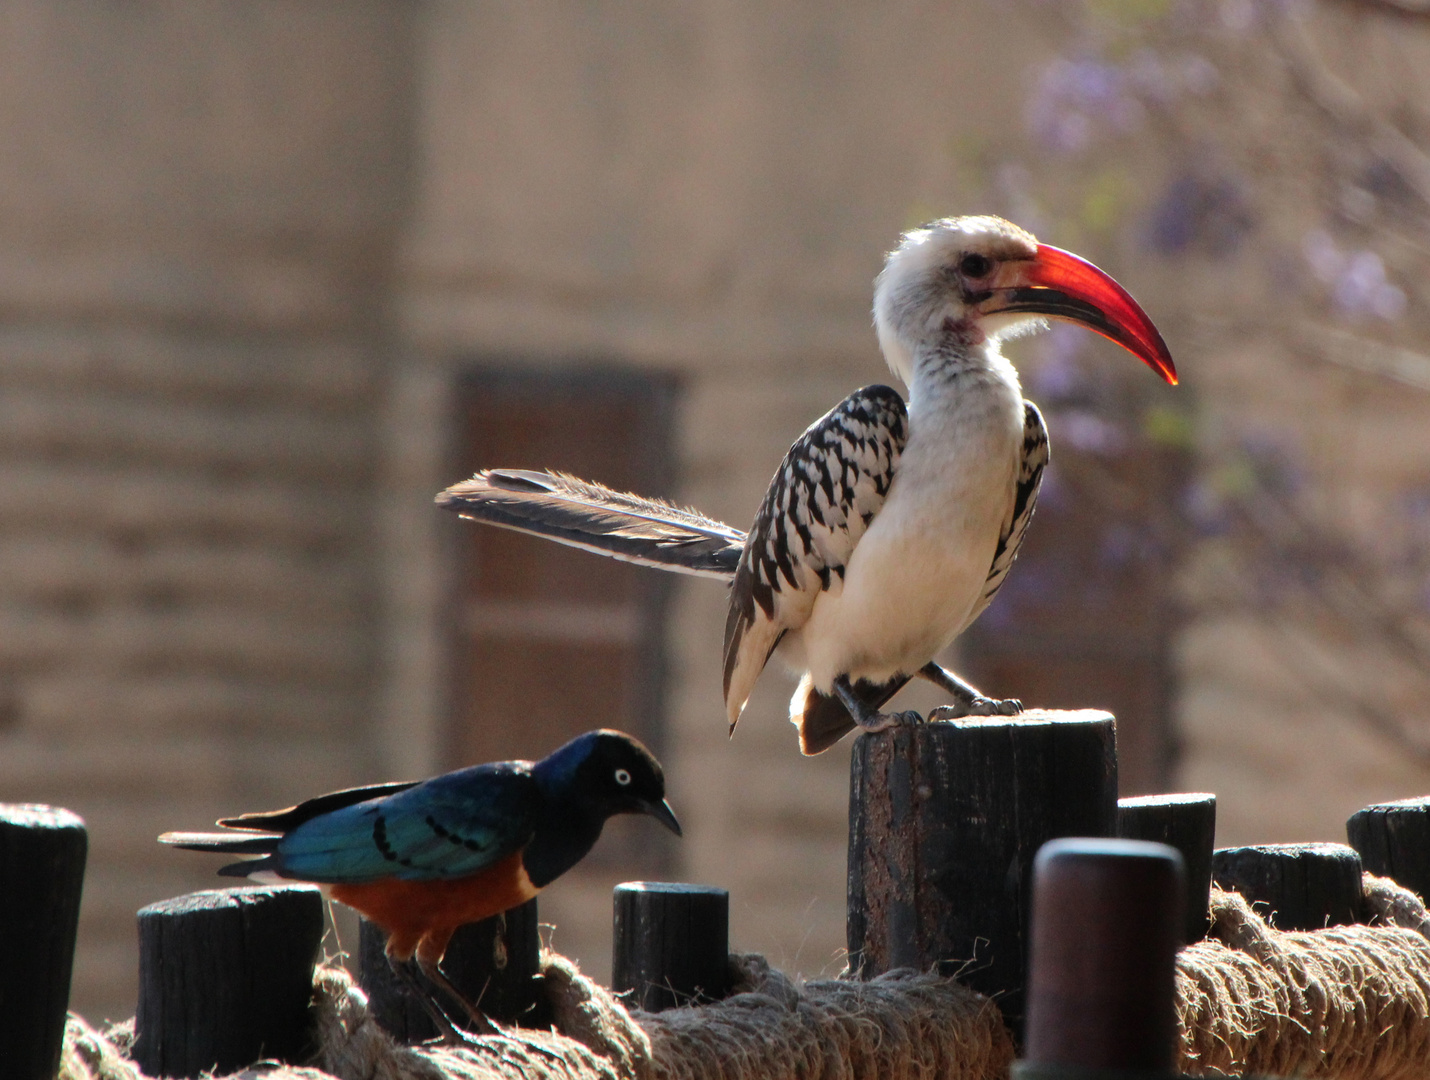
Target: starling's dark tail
(249, 846)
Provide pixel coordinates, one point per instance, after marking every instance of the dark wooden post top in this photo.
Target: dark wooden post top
(945, 819)
(1186, 822)
(1394, 841)
(225, 979)
(671, 943)
(42, 856)
(1305, 886)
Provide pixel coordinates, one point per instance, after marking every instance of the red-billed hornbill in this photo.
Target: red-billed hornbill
(888, 527)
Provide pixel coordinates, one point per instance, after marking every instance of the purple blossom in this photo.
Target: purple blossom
(1074, 98)
(1163, 79)
(1060, 375)
(1211, 213)
(1118, 545)
(1077, 102)
(1090, 432)
(1357, 281)
(1205, 509)
(1364, 290)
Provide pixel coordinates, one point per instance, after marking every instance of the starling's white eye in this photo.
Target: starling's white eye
(622, 777)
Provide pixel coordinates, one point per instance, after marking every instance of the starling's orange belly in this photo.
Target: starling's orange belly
(408, 910)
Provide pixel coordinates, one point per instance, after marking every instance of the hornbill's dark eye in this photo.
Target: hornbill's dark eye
(975, 266)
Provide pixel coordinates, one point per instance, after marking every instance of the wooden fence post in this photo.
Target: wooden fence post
(671, 944)
(495, 963)
(1107, 920)
(1186, 822)
(1394, 841)
(945, 819)
(225, 979)
(42, 853)
(1306, 886)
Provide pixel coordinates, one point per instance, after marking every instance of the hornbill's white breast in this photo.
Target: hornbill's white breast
(917, 575)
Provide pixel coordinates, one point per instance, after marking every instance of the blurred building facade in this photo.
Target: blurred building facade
(273, 275)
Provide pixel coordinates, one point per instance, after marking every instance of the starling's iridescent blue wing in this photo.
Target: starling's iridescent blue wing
(448, 827)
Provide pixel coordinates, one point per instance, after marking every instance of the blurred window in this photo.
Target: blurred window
(552, 641)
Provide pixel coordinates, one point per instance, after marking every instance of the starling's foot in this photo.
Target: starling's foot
(449, 1032)
(455, 1036)
(884, 721)
(477, 1020)
(979, 706)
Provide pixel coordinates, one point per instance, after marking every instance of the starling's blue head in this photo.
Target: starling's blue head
(607, 772)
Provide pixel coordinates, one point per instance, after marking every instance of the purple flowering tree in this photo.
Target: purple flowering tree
(1261, 170)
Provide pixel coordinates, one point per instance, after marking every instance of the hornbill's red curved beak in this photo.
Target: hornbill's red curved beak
(1062, 285)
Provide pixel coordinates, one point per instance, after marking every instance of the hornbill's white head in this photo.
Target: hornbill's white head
(969, 280)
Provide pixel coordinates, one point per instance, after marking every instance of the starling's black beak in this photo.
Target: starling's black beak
(662, 812)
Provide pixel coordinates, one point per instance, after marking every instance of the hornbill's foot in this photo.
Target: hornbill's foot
(967, 700)
(979, 706)
(881, 721)
(867, 717)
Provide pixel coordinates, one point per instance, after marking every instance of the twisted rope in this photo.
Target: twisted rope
(1350, 1002)
(1347, 1002)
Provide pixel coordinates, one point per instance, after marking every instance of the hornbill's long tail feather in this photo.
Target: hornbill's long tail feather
(650, 532)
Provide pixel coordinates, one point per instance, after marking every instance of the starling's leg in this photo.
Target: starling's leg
(479, 1021)
(967, 700)
(867, 717)
(450, 1032)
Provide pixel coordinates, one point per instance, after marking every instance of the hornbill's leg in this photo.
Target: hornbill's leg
(867, 717)
(967, 700)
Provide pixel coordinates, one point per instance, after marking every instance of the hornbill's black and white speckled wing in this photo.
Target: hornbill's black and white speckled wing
(828, 488)
(1025, 497)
